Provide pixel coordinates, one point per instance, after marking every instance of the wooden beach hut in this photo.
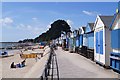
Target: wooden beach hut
(63, 37)
(76, 40)
(115, 43)
(102, 47)
(81, 32)
(71, 42)
(67, 41)
(89, 31)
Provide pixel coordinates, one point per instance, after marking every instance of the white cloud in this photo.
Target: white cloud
(1, 21)
(69, 22)
(33, 29)
(6, 21)
(34, 18)
(90, 13)
(87, 12)
(48, 26)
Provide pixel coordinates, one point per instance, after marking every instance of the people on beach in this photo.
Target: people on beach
(12, 65)
(23, 63)
(19, 65)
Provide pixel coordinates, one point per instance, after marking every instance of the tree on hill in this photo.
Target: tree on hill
(54, 32)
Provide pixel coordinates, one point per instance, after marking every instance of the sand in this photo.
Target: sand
(7, 72)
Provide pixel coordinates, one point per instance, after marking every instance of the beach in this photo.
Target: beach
(7, 72)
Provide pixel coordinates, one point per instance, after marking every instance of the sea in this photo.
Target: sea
(4, 45)
(8, 44)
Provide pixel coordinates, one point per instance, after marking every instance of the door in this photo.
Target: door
(81, 40)
(99, 43)
(85, 40)
(67, 43)
(77, 41)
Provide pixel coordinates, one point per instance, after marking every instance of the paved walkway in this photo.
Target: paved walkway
(72, 65)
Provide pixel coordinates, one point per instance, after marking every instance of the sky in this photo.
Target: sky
(22, 20)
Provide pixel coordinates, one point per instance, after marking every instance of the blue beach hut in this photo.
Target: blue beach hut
(63, 40)
(67, 41)
(89, 31)
(71, 42)
(76, 40)
(115, 42)
(90, 35)
(81, 32)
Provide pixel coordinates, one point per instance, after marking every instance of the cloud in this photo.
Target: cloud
(90, 13)
(49, 25)
(6, 21)
(35, 30)
(34, 18)
(69, 22)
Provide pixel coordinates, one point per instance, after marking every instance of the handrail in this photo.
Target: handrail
(50, 65)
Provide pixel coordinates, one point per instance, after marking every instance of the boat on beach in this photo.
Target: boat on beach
(3, 54)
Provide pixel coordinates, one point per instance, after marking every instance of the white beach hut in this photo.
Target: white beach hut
(102, 40)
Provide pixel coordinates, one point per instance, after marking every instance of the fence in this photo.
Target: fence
(51, 68)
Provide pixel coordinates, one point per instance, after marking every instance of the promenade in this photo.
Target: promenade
(73, 65)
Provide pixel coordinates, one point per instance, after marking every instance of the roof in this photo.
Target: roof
(106, 20)
(91, 26)
(116, 16)
(84, 28)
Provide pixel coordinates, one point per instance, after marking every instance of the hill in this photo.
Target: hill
(54, 32)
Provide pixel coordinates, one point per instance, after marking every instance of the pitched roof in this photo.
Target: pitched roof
(115, 19)
(91, 26)
(106, 20)
(84, 28)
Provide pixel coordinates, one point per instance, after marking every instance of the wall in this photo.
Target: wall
(115, 35)
(85, 40)
(108, 48)
(77, 41)
(81, 40)
(90, 39)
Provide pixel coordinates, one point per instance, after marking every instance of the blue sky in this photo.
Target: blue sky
(23, 20)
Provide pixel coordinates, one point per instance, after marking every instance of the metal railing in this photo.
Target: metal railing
(51, 67)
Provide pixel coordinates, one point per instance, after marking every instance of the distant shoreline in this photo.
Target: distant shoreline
(9, 42)
(14, 45)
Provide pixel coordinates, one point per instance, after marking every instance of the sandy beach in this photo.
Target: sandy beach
(7, 72)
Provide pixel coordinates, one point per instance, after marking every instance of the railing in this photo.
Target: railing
(51, 67)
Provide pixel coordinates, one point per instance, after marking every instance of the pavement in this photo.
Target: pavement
(73, 65)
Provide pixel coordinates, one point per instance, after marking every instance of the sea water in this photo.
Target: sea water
(8, 44)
